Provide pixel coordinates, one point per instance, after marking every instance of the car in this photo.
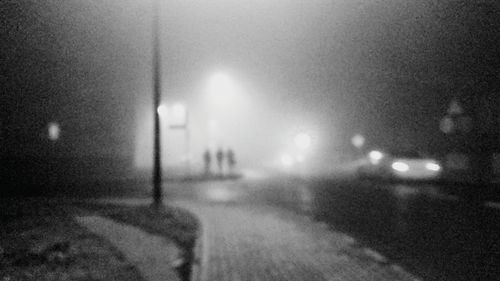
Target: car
(404, 165)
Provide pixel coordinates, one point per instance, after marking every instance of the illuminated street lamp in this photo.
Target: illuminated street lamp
(162, 110)
(375, 156)
(54, 131)
(221, 87)
(224, 94)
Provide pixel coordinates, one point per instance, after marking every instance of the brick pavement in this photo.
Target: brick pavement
(252, 242)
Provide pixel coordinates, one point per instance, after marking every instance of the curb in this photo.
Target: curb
(200, 252)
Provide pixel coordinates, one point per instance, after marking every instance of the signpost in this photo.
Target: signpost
(181, 122)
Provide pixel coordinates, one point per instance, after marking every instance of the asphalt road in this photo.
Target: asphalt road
(434, 235)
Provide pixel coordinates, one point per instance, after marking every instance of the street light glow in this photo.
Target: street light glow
(433, 166)
(303, 141)
(54, 131)
(376, 155)
(223, 93)
(400, 166)
(162, 110)
(358, 141)
(221, 84)
(287, 160)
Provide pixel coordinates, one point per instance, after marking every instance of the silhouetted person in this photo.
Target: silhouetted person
(207, 159)
(220, 159)
(231, 160)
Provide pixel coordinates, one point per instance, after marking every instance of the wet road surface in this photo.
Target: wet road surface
(434, 235)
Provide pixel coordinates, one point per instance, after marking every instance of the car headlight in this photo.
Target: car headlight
(375, 156)
(400, 166)
(433, 166)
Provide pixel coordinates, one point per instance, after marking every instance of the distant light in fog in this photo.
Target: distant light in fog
(221, 84)
(400, 166)
(162, 110)
(358, 141)
(223, 93)
(433, 166)
(54, 131)
(303, 141)
(287, 160)
(375, 156)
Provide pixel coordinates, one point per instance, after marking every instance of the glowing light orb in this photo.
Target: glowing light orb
(433, 167)
(303, 141)
(358, 141)
(54, 131)
(221, 84)
(376, 155)
(400, 166)
(162, 110)
(223, 93)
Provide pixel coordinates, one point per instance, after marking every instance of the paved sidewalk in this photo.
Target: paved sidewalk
(248, 242)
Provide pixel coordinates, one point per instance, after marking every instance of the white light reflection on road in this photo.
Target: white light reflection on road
(220, 193)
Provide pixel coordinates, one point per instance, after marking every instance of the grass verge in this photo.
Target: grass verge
(172, 223)
(40, 241)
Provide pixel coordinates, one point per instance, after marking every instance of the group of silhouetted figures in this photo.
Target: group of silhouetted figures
(223, 158)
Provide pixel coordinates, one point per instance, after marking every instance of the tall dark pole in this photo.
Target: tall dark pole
(157, 192)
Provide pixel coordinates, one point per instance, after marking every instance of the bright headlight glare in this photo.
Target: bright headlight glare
(376, 155)
(433, 166)
(400, 166)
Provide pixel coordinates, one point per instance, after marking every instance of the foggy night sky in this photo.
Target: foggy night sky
(386, 69)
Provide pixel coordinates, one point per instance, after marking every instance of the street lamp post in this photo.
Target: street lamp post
(157, 177)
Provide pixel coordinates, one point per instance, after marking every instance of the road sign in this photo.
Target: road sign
(178, 127)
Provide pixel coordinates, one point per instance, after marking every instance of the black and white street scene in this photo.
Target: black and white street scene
(264, 140)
